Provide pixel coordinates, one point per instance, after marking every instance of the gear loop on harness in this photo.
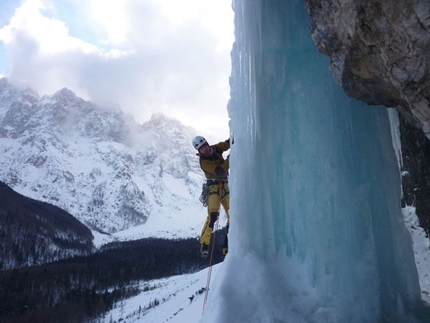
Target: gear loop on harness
(206, 191)
(205, 194)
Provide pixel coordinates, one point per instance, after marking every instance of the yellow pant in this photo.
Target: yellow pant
(218, 194)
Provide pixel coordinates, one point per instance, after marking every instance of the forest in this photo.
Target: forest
(82, 288)
(34, 232)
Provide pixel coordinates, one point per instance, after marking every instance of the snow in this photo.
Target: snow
(174, 293)
(421, 245)
(180, 300)
(181, 224)
(176, 185)
(173, 226)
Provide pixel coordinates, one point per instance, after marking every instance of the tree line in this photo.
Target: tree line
(82, 288)
(34, 232)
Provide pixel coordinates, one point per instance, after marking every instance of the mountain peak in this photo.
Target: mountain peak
(161, 123)
(10, 91)
(66, 94)
(159, 117)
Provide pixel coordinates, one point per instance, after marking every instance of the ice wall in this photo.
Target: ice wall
(316, 230)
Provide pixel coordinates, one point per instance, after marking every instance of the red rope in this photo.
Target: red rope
(210, 267)
(212, 251)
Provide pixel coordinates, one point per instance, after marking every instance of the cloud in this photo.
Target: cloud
(147, 56)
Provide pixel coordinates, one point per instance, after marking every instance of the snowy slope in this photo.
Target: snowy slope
(98, 164)
(421, 246)
(177, 299)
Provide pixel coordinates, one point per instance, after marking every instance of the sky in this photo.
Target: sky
(147, 56)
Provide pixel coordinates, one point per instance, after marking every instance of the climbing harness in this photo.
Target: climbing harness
(206, 190)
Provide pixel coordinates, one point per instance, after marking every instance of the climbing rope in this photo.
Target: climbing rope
(208, 279)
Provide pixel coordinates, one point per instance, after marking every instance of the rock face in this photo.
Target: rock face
(379, 51)
(416, 171)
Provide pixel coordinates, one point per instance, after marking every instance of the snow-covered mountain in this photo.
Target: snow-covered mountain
(98, 164)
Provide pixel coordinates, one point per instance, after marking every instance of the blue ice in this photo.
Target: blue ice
(316, 228)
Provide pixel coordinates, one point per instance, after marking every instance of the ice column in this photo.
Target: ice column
(316, 230)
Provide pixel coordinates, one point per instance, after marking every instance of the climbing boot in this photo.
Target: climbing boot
(204, 250)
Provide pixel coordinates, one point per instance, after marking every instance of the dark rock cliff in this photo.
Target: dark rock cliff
(416, 171)
(379, 51)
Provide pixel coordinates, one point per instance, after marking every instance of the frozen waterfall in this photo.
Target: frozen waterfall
(316, 228)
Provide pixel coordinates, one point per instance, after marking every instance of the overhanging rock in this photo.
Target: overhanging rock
(379, 51)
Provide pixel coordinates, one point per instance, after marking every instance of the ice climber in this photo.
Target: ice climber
(215, 190)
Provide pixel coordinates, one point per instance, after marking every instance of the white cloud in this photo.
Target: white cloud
(51, 35)
(148, 56)
(111, 16)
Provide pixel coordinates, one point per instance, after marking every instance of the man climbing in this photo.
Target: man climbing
(215, 169)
